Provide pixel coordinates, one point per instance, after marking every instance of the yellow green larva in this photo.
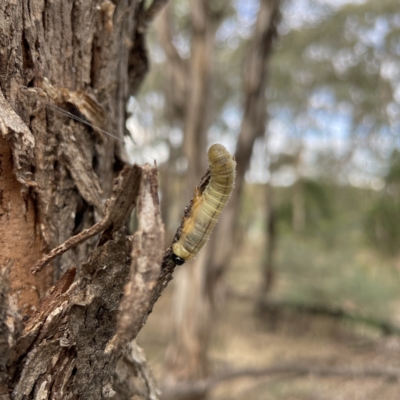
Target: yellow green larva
(207, 204)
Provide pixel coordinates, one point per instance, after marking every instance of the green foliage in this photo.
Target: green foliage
(393, 176)
(330, 263)
(338, 78)
(340, 55)
(335, 277)
(382, 225)
(317, 203)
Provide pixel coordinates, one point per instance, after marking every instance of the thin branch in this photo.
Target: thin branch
(165, 37)
(202, 387)
(154, 9)
(146, 255)
(333, 312)
(118, 209)
(255, 81)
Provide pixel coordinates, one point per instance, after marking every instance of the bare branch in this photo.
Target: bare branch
(175, 61)
(255, 80)
(118, 209)
(187, 389)
(155, 7)
(273, 307)
(147, 251)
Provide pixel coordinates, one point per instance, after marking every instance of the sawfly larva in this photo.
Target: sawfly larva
(209, 199)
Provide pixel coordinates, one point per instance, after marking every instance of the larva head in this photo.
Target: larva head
(177, 260)
(180, 252)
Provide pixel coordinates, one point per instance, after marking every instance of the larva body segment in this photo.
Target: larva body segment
(207, 203)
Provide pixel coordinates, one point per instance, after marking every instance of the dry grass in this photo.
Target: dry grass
(242, 339)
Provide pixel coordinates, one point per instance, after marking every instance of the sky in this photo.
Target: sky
(325, 129)
(326, 116)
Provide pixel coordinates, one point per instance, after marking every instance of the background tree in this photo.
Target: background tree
(383, 217)
(323, 149)
(197, 287)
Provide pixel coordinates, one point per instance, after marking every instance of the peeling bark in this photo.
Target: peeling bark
(85, 58)
(70, 346)
(87, 53)
(118, 209)
(8, 328)
(147, 253)
(20, 242)
(20, 140)
(63, 344)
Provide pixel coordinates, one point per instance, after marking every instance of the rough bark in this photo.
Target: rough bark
(70, 346)
(85, 59)
(76, 47)
(9, 327)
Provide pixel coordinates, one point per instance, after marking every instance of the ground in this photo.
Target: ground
(242, 340)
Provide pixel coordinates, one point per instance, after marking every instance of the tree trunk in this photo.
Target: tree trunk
(298, 201)
(253, 126)
(268, 272)
(55, 173)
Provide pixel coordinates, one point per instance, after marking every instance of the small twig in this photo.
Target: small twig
(166, 39)
(69, 244)
(118, 208)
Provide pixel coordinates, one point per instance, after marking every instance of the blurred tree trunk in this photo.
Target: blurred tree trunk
(197, 284)
(190, 96)
(253, 126)
(298, 204)
(87, 58)
(268, 272)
